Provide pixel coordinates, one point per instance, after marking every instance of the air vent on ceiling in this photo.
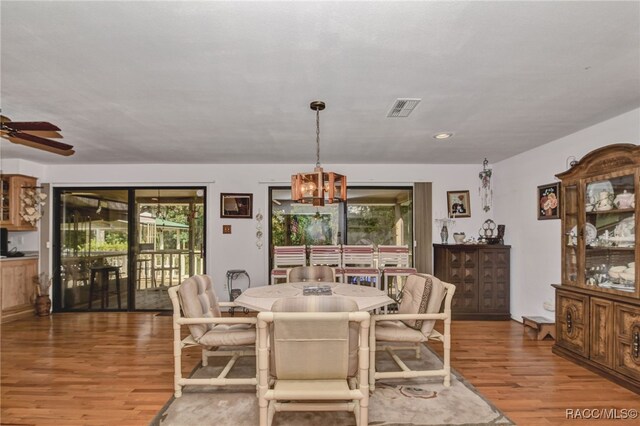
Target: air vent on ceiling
(402, 107)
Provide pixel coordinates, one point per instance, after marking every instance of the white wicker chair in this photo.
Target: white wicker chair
(196, 305)
(394, 265)
(311, 273)
(358, 262)
(285, 257)
(412, 326)
(330, 255)
(314, 360)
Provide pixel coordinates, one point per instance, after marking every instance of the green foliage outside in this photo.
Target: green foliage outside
(365, 225)
(376, 224)
(116, 241)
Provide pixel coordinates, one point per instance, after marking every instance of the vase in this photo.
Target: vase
(444, 234)
(43, 305)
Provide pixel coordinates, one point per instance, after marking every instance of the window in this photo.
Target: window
(371, 215)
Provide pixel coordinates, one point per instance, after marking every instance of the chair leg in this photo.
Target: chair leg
(177, 363)
(271, 411)
(118, 289)
(372, 356)
(92, 283)
(205, 358)
(418, 352)
(364, 415)
(264, 411)
(104, 289)
(447, 351)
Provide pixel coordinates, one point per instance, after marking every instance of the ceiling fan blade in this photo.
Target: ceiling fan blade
(42, 141)
(25, 142)
(44, 133)
(32, 125)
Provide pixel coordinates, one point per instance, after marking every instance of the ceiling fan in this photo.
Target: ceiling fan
(34, 134)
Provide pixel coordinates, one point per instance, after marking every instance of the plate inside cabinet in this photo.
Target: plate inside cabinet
(590, 234)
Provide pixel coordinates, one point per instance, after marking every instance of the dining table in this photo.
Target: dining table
(261, 299)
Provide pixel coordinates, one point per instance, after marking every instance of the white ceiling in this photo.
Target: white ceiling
(231, 82)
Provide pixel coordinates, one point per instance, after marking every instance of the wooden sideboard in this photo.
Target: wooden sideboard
(480, 273)
(17, 287)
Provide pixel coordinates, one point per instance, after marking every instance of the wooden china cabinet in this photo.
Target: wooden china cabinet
(12, 187)
(598, 301)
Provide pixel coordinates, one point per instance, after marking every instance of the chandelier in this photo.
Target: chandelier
(319, 186)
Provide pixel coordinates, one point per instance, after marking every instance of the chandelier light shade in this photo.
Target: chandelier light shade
(318, 187)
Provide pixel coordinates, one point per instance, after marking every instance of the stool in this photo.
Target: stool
(540, 326)
(103, 272)
(145, 270)
(233, 274)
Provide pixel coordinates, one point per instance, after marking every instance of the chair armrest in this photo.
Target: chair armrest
(227, 304)
(400, 317)
(218, 320)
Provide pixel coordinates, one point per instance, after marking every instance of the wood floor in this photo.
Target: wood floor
(116, 369)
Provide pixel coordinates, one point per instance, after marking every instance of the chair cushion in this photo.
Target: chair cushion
(198, 300)
(415, 297)
(229, 335)
(438, 291)
(397, 331)
(311, 348)
(422, 294)
(311, 273)
(323, 304)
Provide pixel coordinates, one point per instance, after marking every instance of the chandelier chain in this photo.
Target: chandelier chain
(317, 137)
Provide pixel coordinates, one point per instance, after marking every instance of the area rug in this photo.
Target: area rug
(399, 402)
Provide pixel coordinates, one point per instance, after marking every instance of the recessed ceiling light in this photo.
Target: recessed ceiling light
(442, 135)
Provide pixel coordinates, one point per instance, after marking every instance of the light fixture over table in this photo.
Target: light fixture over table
(319, 186)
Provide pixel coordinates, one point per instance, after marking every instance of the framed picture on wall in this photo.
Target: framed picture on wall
(549, 201)
(236, 206)
(458, 204)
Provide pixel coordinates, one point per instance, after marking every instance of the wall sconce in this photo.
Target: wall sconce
(31, 201)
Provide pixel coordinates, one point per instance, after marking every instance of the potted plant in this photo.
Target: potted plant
(43, 301)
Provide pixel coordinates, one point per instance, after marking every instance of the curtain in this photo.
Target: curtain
(422, 227)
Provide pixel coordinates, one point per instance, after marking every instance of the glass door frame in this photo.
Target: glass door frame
(131, 240)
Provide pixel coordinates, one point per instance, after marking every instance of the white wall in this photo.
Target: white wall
(536, 244)
(238, 250)
(535, 263)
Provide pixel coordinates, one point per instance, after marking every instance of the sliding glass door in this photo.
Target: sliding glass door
(93, 249)
(169, 244)
(371, 215)
(108, 262)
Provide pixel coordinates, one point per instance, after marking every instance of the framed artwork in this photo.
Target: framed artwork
(458, 204)
(236, 206)
(549, 201)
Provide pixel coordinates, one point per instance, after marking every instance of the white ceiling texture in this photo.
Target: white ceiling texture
(231, 82)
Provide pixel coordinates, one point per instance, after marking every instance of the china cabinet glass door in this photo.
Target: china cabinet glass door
(570, 244)
(609, 234)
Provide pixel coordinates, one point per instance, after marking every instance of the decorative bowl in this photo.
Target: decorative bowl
(459, 237)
